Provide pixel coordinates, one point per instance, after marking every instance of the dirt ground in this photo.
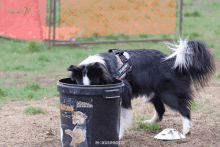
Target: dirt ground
(19, 129)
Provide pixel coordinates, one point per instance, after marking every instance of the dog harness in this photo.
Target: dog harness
(124, 64)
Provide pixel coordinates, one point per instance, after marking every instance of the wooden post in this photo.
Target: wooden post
(54, 21)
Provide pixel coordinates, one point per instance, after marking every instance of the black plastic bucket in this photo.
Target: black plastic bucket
(90, 115)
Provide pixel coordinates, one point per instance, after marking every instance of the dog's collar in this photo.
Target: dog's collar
(124, 64)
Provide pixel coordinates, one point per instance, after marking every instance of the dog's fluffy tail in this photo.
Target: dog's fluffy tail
(194, 58)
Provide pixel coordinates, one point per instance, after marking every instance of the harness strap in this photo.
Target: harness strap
(124, 64)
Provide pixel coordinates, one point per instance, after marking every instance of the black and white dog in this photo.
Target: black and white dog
(156, 77)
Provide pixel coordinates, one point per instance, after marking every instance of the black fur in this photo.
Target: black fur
(151, 73)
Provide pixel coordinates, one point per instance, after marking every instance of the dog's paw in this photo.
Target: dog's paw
(155, 118)
(187, 131)
(187, 128)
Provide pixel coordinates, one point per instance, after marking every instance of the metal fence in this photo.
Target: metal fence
(75, 19)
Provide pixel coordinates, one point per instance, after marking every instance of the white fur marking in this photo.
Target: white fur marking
(154, 118)
(181, 51)
(61, 135)
(148, 98)
(93, 59)
(86, 80)
(121, 132)
(186, 125)
(125, 120)
(128, 118)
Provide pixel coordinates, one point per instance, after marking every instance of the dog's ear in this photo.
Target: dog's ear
(76, 71)
(96, 65)
(71, 68)
(95, 70)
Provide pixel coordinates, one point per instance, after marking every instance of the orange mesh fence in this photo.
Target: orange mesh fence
(26, 19)
(131, 17)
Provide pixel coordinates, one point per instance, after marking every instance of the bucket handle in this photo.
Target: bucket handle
(113, 93)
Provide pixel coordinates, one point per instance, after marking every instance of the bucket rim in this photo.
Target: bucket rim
(85, 86)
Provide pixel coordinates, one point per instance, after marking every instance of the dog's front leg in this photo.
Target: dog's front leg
(125, 120)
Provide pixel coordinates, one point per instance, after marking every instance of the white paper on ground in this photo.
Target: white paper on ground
(169, 134)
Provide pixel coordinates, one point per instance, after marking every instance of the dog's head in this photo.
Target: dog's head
(86, 74)
(78, 117)
(91, 71)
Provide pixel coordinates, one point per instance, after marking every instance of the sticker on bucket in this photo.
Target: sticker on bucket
(78, 134)
(83, 105)
(66, 107)
(76, 119)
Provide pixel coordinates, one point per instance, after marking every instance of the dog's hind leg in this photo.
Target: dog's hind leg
(159, 110)
(153, 119)
(186, 124)
(180, 105)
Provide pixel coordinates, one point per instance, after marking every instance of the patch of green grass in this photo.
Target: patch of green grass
(3, 97)
(111, 37)
(212, 45)
(32, 86)
(120, 35)
(218, 75)
(216, 105)
(2, 92)
(58, 104)
(145, 126)
(196, 105)
(58, 59)
(34, 110)
(34, 46)
(43, 58)
(187, 3)
(208, 109)
(30, 91)
(217, 114)
(2, 102)
(165, 36)
(88, 39)
(95, 35)
(192, 35)
(154, 126)
(207, 101)
(195, 13)
(143, 35)
(214, 5)
(141, 118)
(217, 32)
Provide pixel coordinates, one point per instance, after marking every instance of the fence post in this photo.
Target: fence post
(54, 21)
